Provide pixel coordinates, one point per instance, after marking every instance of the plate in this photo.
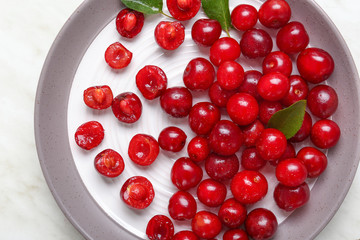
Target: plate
(76, 62)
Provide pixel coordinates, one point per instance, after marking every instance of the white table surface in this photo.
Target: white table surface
(27, 208)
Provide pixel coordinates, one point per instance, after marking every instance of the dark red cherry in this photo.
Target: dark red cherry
(205, 32)
(169, 35)
(182, 206)
(256, 43)
(292, 38)
(199, 74)
(127, 107)
(185, 174)
(267, 109)
(315, 161)
(160, 227)
(198, 149)
(221, 168)
(232, 213)
(235, 234)
(129, 22)
(251, 160)
(203, 117)
(172, 139)
(220, 96)
(298, 91)
(274, 13)
(249, 85)
(176, 101)
(183, 9)
(322, 101)
(291, 198)
(185, 235)
(304, 131)
(151, 82)
(261, 224)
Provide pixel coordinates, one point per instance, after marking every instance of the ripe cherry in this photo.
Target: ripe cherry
(137, 192)
(249, 187)
(205, 32)
(98, 97)
(185, 174)
(250, 159)
(315, 65)
(291, 198)
(127, 107)
(226, 138)
(183, 9)
(271, 144)
(252, 132)
(182, 206)
(172, 139)
(129, 22)
(230, 75)
(220, 96)
(202, 117)
(261, 224)
(160, 227)
(325, 133)
(235, 234)
(292, 38)
(117, 56)
(211, 193)
(298, 91)
(242, 108)
(143, 149)
(169, 35)
(267, 109)
(277, 62)
(198, 149)
(221, 168)
(89, 135)
(151, 81)
(249, 85)
(232, 213)
(244, 17)
(289, 153)
(273, 86)
(291, 172)
(199, 74)
(305, 129)
(274, 13)
(206, 225)
(256, 43)
(176, 101)
(185, 235)
(322, 101)
(109, 163)
(315, 161)
(224, 49)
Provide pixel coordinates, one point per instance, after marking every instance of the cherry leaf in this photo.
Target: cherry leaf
(218, 10)
(144, 6)
(290, 119)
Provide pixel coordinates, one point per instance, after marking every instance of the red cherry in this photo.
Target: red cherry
(249, 85)
(220, 96)
(230, 75)
(261, 224)
(292, 38)
(224, 49)
(117, 56)
(221, 168)
(109, 163)
(182, 206)
(322, 101)
(289, 153)
(169, 35)
(198, 149)
(143, 149)
(267, 109)
(176, 101)
(127, 107)
(274, 13)
(89, 135)
(249, 187)
(151, 82)
(244, 17)
(250, 159)
(202, 117)
(235, 234)
(185, 174)
(98, 97)
(232, 213)
(185, 235)
(183, 9)
(277, 62)
(206, 225)
(298, 91)
(256, 43)
(172, 139)
(137, 192)
(291, 172)
(252, 132)
(271, 144)
(315, 161)
(291, 198)
(242, 108)
(129, 22)
(304, 131)
(211, 193)
(325, 133)
(160, 227)
(199, 74)
(205, 32)
(273, 86)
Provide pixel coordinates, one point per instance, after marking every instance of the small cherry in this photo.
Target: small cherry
(143, 149)
(129, 22)
(261, 224)
(205, 32)
(244, 17)
(117, 56)
(151, 81)
(160, 227)
(182, 206)
(325, 134)
(169, 35)
(98, 97)
(127, 107)
(137, 192)
(185, 174)
(172, 139)
(109, 163)
(89, 135)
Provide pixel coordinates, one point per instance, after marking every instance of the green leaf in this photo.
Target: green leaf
(144, 6)
(218, 10)
(290, 119)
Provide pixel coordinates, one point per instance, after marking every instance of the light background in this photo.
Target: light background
(27, 208)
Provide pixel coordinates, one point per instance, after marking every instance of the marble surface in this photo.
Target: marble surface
(27, 208)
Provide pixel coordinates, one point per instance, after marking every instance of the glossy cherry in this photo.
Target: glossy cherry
(169, 35)
(109, 163)
(151, 81)
(291, 198)
(226, 138)
(160, 227)
(274, 13)
(291, 172)
(267, 109)
(249, 187)
(256, 43)
(249, 85)
(250, 159)
(176, 101)
(205, 32)
(252, 132)
(271, 144)
(199, 74)
(289, 153)
(143, 149)
(244, 17)
(230, 75)
(202, 117)
(185, 174)
(172, 139)
(211, 193)
(224, 49)
(182, 206)
(89, 135)
(183, 9)
(232, 213)
(315, 161)
(129, 22)
(198, 149)
(206, 225)
(185, 235)
(235, 234)
(242, 108)
(137, 192)
(127, 107)
(221, 168)
(305, 129)
(315, 65)
(298, 91)
(261, 224)
(292, 38)
(325, 134)
(98, 97)
(322, 101)
(277, 62)
(273, 86)
(220, 96)
(117, 56)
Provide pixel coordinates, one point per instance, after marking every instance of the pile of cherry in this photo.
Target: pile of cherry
(250, 99)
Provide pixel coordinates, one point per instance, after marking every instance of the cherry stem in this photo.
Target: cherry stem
(166, 15)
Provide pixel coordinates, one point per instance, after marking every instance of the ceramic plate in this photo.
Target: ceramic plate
(76, 62)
